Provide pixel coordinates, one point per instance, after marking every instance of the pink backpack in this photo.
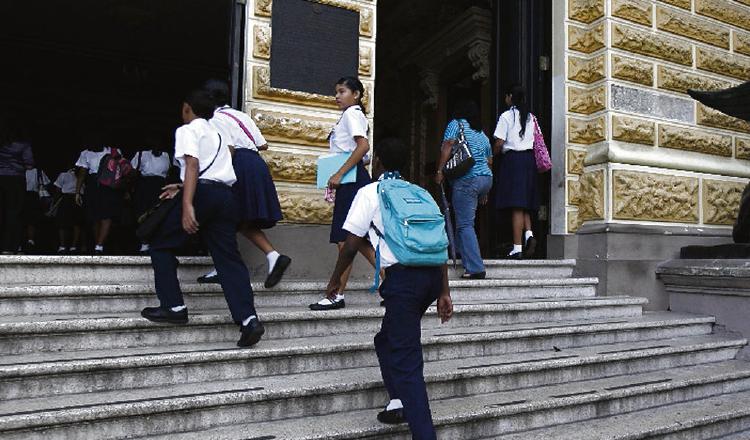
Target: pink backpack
(541, 154)
(113, 170)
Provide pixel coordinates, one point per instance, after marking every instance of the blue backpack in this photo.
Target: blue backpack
(414, 227)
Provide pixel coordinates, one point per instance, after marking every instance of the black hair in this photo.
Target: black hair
(468, 109)
(218, 90)
(518, 100)
(392, 154)
(201, 103)
(354, 85)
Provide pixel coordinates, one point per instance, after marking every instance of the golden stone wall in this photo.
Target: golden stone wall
(638, 148)
(296, 124)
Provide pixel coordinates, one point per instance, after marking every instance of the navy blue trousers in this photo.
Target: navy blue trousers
(408, 292)
(216, 213)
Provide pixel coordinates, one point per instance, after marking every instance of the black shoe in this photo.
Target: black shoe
(205, 279)
(474, 276)
(251, 333)
(158, 314)
(278, 271)
(530, 248)
(392, 417)
(382, 303)
(330, 305)
(516, 256)
(98, 251)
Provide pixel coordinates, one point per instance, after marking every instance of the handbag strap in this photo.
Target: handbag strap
(212, 160)
(242, 125)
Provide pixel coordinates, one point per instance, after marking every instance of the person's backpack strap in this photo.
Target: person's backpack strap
(140, 157)
(242, 126)
(376, 281)
(212, 160)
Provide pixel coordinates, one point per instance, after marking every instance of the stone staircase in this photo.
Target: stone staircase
(531, 353)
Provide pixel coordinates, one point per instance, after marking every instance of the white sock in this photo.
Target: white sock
(528, 235)
(247, 321)
(326, 301)
(31, 242)
(61, 248)
(213, 273)
(144, 247)
(178, 308)
(394, 404)
(272, 257)
(517, 249)
(99, 247)
(73, 249)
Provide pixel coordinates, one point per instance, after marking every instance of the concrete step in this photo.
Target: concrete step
(24, 377)
(66, 270)
(286, 414)
(85, 299)
(29, 334)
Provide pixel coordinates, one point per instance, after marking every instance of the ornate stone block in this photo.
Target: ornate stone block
(713, 118)
(365, 61)
(587, 132)
(585, 11)
(576, 160)
(263, 8)
(591, 198)
(655, 197)
(721, 201)
(690, 139)
(262, 42)
(366, 21)
(684, 4)
(586, 40)
(585, 101)
(574, 224)
(689, 26)
(291, 167)
(723, 63)
(742, 43)
(636, 131)
(586, 71)
(574, 192)
(726, 11)
(293, 129)
(262, 89)
(648, 103)
(652, 44)
(634, 10)
(634, 70)
(742, 148)
(680, 81)
(305, 208)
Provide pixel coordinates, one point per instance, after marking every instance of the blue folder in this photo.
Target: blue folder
(330, 164)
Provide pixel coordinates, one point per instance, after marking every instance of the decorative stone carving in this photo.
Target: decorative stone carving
(723, 63)
(305, 208)
(585, 11)
(689, 26)
(721, 201)
(636, 131)
(574, 192)
(586, 71)
(649, 103)
(576, 160)
(634, 70)
(742, 148)
(690, 139)
(430, 84)
(591, 198)
(726, 11)
(293, 129)
(262, 42)
(680, 81)
(656, 197)
(586, 40)
(714, 118)
(262, 89)
(741, 43)
(684, 4)
(651, 44)
(291, 167)
(634, 10)
(365, 60)
(263, 8)
(587, 132)
(479, 55)
(366, 18)
(574, 224)
(587, 101)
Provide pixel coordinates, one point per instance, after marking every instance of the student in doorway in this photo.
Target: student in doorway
(516, 182)
(69, 216)
(207, 206)
(254, 191)
(407, 290)
(151, 167)
(349, 136)
(36, 188)
(15, 158)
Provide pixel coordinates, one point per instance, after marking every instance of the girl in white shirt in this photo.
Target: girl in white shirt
(69, 216)
(36, 180)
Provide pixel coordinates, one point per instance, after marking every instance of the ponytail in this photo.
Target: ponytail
(518, 100)
(355, 85)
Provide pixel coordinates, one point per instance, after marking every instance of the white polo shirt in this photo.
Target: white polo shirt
(233, 130)
(365, 209)
(509, 129)
(353, 123)
(67, 182)
(90, 159)
(150, 165)
(33, 178)
(200, 140)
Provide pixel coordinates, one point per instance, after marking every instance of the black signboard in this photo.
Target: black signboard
(312, 45)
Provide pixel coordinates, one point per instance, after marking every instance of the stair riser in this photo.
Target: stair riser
(727, 430)
(63, 275)
(121, 302)
(530, 273)
(186, 334)
(234, 412)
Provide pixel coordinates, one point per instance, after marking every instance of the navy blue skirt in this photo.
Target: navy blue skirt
(147, 191)
(101, 202)
(254, 191)
(344, 198)
(516, 184)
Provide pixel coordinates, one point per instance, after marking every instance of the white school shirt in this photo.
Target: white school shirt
(67, 182)
(353, 123)
(365, 210)
(200, 140)
(509, 129)
(32, 181)
(151, 165)
(236, 136)
(90, 159)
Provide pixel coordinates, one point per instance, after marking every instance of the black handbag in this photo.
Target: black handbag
(461, 159)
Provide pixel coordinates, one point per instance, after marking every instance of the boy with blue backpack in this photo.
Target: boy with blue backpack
(405, 226)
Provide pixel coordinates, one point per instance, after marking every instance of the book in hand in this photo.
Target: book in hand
(330, 164)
